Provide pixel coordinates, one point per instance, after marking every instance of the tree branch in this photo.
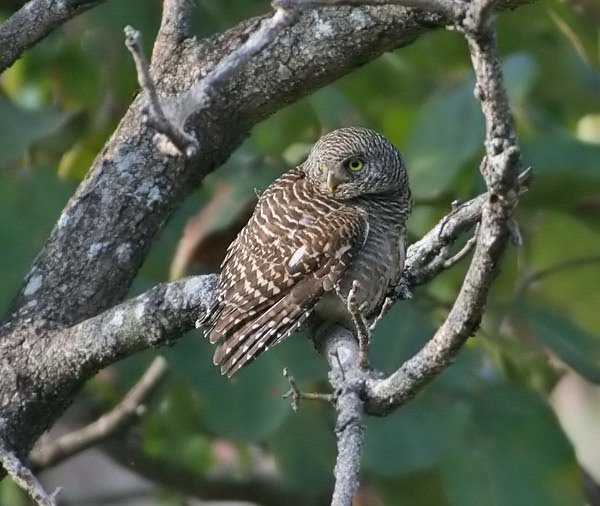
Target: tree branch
(49, 453)
(64, 324)
(32, 22)
(500, 169)
(25, 479)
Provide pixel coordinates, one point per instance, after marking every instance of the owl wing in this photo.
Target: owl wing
(278, 268)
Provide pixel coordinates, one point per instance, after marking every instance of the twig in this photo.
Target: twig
(123, 414)
(152, 112)
(25, 479)
(535, 276)
(464, 251)
(296, 394)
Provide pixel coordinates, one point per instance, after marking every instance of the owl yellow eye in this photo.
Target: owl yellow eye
(355, 164)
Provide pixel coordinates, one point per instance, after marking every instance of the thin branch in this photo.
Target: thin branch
(258, 486)
(33, 22)
(25, 479)
(347, 378)
(463, 252)
(152, 112)
(123, 414)
(535, 276)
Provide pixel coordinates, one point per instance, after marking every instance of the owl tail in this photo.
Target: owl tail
(265, 330)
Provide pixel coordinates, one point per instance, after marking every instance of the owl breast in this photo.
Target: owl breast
(379, 263)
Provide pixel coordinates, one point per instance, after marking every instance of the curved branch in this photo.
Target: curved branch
(18, 33)
(500, 169)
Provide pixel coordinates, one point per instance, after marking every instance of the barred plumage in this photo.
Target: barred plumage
(338, 217)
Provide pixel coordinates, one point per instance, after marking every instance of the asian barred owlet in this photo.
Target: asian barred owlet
(337, 218)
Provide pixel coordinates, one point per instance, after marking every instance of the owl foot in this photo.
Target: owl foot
(385, 307)
(363, 332)
(296, 394)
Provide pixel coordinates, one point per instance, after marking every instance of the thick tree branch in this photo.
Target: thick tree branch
(33, 22)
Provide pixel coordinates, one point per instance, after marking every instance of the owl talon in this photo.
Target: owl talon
(387, 304)
(360, 323)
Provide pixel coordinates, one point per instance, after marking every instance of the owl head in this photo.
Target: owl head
(355, 161)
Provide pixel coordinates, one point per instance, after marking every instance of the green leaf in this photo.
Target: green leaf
(413, 439)
(247, 407)
(399, 335)
(520, 72)
(513, 453)
(304, 448)
(448, 132)
(333, 109)
(21, 128)
(569, 342)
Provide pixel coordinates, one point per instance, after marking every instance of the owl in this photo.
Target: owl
(335, 222)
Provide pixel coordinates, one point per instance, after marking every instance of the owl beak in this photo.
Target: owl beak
(333, 180)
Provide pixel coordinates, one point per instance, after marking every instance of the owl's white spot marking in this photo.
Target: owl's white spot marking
(297, 256)
(255, 326)
(241, 338)
(273, 289)
(341, 251)
(245, 348)
(271, 324)
(260, 345)
(285, 321)
(306, 220)
(228, 351)
(233, 361)
(33, 285)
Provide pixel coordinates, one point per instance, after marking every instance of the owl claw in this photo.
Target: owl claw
(363, 332)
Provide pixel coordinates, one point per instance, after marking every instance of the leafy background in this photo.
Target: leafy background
(512, 422)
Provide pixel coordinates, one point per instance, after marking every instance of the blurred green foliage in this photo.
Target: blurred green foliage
(484, 431)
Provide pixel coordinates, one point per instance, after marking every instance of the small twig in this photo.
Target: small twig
(296, 394)
(535, 276)
(152, 112)
(25, 479)
(464, 251)
(123, 414)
